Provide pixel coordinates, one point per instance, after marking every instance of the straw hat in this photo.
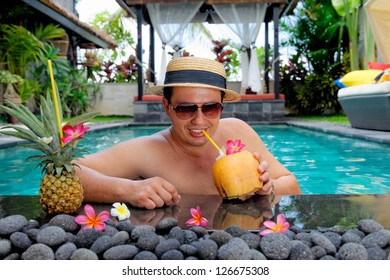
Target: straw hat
(195, 72)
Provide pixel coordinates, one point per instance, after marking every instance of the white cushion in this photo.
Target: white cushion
(379, 88)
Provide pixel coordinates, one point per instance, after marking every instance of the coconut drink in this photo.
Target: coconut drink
(235, 172)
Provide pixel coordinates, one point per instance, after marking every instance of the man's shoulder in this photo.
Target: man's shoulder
(233, 122)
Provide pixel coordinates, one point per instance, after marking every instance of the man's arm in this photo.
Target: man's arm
(148, 193)
(112, 176)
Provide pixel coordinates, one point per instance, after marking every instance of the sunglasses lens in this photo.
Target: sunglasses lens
(187, 111)
(212, 110)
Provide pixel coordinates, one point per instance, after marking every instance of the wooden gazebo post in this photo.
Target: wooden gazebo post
(276, 49)
(139, 9)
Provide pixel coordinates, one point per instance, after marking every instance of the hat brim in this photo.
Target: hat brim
(230, 95)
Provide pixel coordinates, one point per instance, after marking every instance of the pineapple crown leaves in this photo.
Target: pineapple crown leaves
(56, 156)
(26, 117)
(60, 160)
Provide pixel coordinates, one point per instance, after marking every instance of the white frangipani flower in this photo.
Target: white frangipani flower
(46, 140)
(120, 211)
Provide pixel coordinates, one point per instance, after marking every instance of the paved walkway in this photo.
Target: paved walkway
(340, 129)
(345, 130)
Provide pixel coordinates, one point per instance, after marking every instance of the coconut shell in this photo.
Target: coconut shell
(236, 175)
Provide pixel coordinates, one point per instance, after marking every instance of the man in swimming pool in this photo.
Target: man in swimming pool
(153, 171)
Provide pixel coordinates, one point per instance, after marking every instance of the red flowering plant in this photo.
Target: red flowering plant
(110, 72)
(227, 55)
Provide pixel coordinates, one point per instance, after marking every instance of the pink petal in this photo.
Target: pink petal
(265, 232)
(204, 222)
(103, 216)
(280, 219)
(100, 226)
(89, 211)
(67, 139)
(270, 224)
(241, 146)
(68, 129)
(81, 219)
(286, 226)
(87, 226)
(230, 143)
(80, 129)
(191, 222)
(194, 212)
(230, 151)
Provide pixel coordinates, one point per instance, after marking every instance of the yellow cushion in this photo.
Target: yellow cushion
(360, 77)
(385, 77)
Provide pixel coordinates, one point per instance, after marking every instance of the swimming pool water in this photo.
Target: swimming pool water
(323, 163)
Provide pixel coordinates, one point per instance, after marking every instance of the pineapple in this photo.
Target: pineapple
(60, 188)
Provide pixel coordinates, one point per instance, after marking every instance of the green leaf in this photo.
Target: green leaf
(342, 5)
(25, 116)
(82, 118)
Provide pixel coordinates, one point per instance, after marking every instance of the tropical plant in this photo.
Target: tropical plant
(307, 80)
(313, 34)
(19, 49)
(115, 24)
(348, 10)
(60, 188)
(228, 56)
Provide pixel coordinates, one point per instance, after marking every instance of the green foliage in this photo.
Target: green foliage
(313, 33)
(349, 12)
(19, 49)
(317, 94)
(321, 45)
(309, 93)
(115, 25)
(77, 92)
(261, 57)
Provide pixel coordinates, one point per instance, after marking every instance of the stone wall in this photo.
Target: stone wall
(115, 99)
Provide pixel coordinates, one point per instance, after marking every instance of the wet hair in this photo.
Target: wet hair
(168, 91)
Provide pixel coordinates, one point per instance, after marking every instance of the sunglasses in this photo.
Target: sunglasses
(187, 111)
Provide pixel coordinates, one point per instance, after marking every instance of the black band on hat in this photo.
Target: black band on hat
(195, 76)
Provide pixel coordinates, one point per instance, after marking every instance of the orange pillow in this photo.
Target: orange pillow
(378, 65)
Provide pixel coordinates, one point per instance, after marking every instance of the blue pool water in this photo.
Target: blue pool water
(323, 163)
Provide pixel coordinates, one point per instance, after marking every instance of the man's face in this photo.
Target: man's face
(187, 124)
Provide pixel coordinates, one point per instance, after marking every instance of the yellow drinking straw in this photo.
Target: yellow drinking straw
(55, 98)
(211, 140)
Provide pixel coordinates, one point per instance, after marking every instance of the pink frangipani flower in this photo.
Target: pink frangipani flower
(73, 132)
(234, 146)
(280, 226)
(197, 219)
(90, 220)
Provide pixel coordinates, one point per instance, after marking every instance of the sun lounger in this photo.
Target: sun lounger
(367, 106)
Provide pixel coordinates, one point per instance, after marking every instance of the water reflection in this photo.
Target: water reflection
(305, 211)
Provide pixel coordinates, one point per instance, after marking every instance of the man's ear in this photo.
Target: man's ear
(166, 107)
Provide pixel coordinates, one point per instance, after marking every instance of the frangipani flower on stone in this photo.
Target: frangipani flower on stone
(72, 133)
(90, 220)
(120, 211)
(280, 226)
(197, 219)
(234, 146)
